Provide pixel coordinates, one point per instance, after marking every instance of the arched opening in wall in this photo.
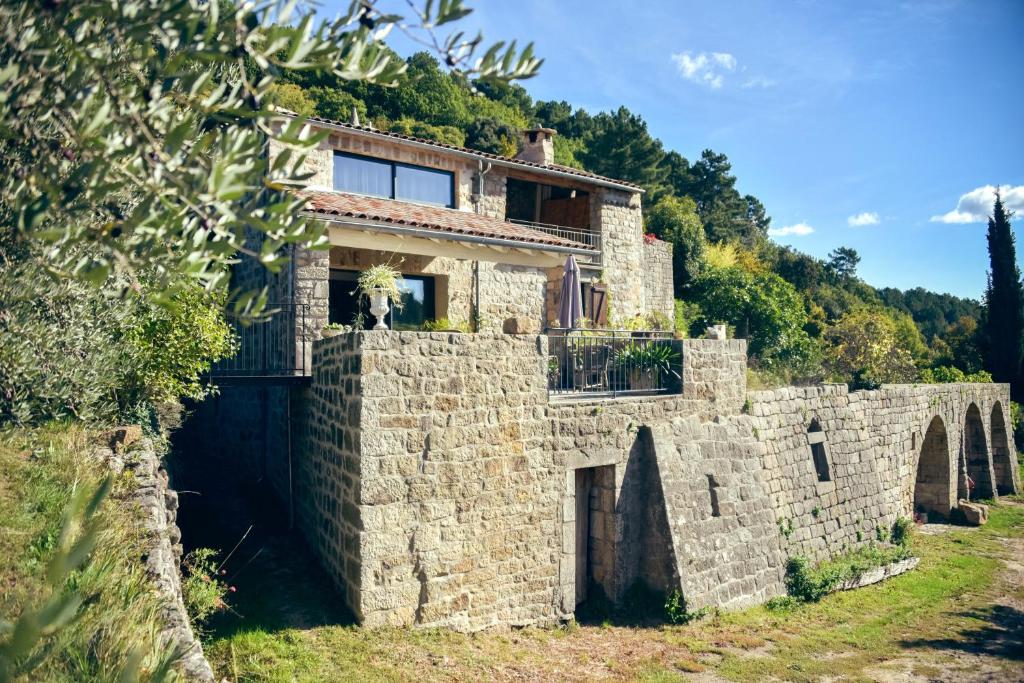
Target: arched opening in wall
(932, 487)
(1002, 464)
(819, 451)
(979, 473)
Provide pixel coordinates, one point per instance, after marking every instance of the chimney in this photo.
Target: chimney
(538, 146)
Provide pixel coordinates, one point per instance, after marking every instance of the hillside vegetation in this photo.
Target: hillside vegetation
(807, 319)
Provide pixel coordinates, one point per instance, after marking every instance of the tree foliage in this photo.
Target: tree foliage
(764, 308)
(1004, 300)
(675, 221)
(135, 139)
(139, 130)
(865, 344)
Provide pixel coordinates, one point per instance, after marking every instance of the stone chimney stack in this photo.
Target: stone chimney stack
(538, 146)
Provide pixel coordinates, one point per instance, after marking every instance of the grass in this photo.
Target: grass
(117, 624)
(286, 627)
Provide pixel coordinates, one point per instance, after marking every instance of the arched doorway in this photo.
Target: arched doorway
(976, 454)
(932, 488)
(1002, 463)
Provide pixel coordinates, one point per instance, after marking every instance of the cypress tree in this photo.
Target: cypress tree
(1004, 302)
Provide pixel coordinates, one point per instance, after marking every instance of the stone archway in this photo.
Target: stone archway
(932, 487)
(1002, 463)
(976, 455)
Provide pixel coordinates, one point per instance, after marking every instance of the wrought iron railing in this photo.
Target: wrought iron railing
(612, 362)
(271, 348)
(584, 237)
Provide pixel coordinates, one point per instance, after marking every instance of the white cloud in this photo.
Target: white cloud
(705, 68)
(976, 205)
(759, 82)
(799, 229)
(862, 219)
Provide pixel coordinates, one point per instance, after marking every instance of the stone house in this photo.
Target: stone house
(478, 238)
(493, 478)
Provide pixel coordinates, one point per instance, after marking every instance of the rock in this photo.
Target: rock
(716, 332)
(974, 514)
(121, 438)
(520, 325)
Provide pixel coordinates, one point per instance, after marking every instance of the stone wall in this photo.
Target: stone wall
(157, 505)
(617, 216)
(440, 484)
(874, 444)
(657, 275)
(327, 469)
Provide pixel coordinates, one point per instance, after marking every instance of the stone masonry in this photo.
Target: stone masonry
(657, 278)
(439, 483)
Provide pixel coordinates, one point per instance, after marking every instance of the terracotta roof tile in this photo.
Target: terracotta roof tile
(532, 165)
(440, 219)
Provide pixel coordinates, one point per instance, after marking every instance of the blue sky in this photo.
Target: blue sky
(875, 125)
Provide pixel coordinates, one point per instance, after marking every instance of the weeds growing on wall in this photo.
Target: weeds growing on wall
(678, 612)
(203, 588)
(810, 583)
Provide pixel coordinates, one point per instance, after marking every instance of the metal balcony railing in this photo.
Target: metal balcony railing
(612, 362)
(584, 237)
(272, 349)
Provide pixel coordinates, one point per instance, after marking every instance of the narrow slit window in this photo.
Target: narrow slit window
(713, 491)
(819, 451)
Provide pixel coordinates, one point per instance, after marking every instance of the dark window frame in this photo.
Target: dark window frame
(394, 179)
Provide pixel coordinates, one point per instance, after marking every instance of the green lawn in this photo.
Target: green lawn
(934, 621)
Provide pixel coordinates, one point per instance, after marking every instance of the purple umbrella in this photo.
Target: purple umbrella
(570, 305)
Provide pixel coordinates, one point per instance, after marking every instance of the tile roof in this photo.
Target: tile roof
(434, 218)
(531, 165)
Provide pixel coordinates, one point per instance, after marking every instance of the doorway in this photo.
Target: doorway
(595, 533)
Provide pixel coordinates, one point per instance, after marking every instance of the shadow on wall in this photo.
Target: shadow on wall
(1000, 635)
(642, 554)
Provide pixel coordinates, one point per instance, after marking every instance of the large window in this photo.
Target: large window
(417, 302)
(380, 178)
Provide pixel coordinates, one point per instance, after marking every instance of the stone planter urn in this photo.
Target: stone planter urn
(379, 307)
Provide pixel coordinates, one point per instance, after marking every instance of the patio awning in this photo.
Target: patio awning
(388, 225)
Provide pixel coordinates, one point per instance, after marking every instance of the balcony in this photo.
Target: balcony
(587, 238)
(271, 351)
(585, 363)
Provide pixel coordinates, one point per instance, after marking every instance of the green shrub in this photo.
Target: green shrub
(812, 583)
(946, 374)
(445, 325)
(1017, 421)
(69, 351)
(202, 589)
(782, 603)
(902, 531)
(677, 611)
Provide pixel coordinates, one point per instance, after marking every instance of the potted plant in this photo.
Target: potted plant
(646, 366)
(334, 329)
(445, 325)
(379, 284)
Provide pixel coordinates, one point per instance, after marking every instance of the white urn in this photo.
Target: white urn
(379, 307)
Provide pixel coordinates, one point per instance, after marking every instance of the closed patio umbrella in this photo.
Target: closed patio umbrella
(570, 305)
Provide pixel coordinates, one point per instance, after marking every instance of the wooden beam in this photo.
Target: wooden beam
(344, 236)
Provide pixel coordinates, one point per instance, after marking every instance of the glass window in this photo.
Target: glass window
(423, 185)
(417, 303)
(363, 175)
(345, 304)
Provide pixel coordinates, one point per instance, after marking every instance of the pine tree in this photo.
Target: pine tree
(1004, 302)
